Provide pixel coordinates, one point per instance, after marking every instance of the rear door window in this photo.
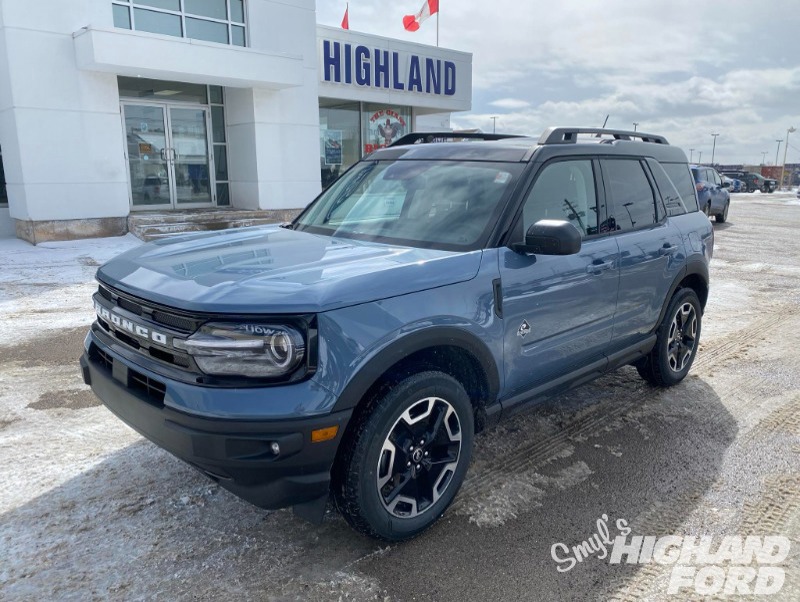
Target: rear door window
(673, 203)
(681, 177)
(633, 203)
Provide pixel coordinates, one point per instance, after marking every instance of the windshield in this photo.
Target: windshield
(448, 205)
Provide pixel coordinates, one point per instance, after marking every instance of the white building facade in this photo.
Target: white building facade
(112, 107)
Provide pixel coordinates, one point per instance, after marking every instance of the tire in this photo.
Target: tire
(670, 360)
(721, 218)
(406, 457)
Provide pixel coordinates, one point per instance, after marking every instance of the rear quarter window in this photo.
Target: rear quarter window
(681, 177)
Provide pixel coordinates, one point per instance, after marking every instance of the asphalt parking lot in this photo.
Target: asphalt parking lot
(90, 510)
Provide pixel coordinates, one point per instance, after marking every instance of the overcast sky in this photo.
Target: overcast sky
(680, 68)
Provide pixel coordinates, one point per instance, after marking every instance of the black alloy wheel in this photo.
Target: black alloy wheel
(677, 340)
(405, 456)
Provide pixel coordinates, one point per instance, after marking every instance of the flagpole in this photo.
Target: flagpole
(437, 28)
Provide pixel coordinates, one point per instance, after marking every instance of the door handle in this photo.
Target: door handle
(163, 154)
(597, 266)
(667, 249)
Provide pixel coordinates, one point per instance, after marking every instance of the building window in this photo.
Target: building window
(3, 192)
(220, 141)
(384, 124)
(220, 21)
(340, 137)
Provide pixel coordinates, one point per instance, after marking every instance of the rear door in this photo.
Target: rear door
(650, 248)
(559, 310)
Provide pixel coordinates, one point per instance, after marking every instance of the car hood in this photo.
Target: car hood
(270, 269)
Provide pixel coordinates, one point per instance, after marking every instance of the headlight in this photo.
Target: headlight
(256, 350)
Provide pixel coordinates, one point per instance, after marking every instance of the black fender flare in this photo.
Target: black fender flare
(693, 267)
(434, 336)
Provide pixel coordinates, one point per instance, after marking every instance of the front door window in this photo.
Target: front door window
(168, 156)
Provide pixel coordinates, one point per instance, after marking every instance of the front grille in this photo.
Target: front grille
(154, 391)
(175, 324)
(152, 388)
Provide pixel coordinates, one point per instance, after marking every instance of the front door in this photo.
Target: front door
(558, 310)
(168, 156)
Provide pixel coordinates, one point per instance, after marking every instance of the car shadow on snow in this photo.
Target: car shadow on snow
(631, 452)
(143, 524)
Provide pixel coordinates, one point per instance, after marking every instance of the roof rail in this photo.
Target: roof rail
(427, 137)
(569, 135)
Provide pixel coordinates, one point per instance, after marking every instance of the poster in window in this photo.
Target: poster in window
(384, 127)
(333, 147)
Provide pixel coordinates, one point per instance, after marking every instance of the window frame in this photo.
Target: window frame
(132, 5)
(660, 213)
(515, 232)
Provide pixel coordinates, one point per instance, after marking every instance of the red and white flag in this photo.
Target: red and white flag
(412, 22)
(346, 18)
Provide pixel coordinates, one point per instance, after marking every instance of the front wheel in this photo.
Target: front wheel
(678, 336)
(406, 457)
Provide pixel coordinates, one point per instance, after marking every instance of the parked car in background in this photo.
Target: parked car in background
(753, 181)
(734, 184)
(712, 192)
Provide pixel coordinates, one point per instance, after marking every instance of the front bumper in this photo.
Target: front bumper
(237, 454)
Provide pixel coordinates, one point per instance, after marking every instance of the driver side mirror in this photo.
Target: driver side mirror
(550, 237)
(726, 184)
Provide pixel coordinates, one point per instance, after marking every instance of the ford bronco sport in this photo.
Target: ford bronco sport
(435, 287)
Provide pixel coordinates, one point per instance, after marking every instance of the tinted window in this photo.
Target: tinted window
(633, 204)
(681, 177)
(564, 191)
(672, 202)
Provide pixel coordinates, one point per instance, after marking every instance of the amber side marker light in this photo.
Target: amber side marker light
(326, 434)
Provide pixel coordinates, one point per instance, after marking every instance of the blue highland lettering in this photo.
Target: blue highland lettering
(378, 68)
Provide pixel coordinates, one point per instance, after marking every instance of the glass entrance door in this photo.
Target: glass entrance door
(168, 158)
(189, 155)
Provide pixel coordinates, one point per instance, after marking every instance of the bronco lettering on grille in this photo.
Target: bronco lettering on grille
(129, 326)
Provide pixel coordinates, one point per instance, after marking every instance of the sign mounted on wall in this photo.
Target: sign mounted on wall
(360, 65)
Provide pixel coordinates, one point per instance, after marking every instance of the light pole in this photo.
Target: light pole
(763, 157)
(691, 155)
(699, 157)
(635, 125)
(713, 149)
(494, 124)
(791, 130)
(778, 150)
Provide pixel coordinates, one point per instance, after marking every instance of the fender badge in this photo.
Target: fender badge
(523, 329)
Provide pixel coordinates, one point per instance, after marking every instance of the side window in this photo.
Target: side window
(681, 177)
(632, 204)
(564, 190)
(715, 175)
(673, 203)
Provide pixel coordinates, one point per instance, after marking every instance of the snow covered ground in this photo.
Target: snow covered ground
(49, 286)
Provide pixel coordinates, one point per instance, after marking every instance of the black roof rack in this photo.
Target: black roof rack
(569, 135)
(428, 137)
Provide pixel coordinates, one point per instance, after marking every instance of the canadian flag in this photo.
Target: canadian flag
(346, 19)
(412, 22)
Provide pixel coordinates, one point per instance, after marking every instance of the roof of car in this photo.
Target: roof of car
(555, 141)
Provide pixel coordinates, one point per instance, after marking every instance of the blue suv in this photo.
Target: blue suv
(437, 286)
(712, 192)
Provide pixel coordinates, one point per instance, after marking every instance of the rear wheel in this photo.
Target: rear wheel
(406, 458)
(723, 217)
(678, 336)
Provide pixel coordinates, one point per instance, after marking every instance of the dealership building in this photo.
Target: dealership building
(112, 109)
